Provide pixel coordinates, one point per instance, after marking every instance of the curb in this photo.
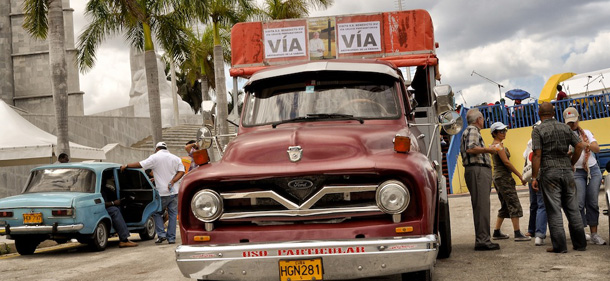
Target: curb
(5, 248)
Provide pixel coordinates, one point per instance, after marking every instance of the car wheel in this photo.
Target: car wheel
(444, 231)
(26, 245)
(148, 232)
(424, 275)
(99, 241)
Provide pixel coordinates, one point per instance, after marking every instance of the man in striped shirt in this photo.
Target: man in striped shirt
(477, 166)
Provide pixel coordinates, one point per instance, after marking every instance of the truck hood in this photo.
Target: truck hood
(319, 143)
(48, 199)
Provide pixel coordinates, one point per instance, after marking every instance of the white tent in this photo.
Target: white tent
(22, 143)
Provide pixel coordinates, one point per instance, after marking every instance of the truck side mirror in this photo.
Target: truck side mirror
(451, 122)
(204, 137)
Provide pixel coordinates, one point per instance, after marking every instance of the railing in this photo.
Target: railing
(526, 115)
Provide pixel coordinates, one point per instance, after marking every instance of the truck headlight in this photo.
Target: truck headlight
(206, 205)
(392, 197)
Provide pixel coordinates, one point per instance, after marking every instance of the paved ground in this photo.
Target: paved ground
(515, 261)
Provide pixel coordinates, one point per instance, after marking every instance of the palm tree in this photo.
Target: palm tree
(292, 9)
(198, 63)
(221, 13)
(138, 20)
(48, 16)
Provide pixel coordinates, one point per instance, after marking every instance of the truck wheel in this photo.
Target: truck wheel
(26, 245)
(444, 230)
(424, 275)
(148, 232)
(99, 241)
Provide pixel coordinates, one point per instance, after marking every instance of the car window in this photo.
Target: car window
(61, 180)
(133, 179)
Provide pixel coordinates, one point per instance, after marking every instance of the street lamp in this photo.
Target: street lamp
(499, 86)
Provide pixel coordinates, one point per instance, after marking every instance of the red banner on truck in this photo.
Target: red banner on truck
(405, 38)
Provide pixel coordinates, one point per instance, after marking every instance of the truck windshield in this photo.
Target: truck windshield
(61, 180)
(279, 100)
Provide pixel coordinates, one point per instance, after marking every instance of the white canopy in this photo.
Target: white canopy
(22, 143)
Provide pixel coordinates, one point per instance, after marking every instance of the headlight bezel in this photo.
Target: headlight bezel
(215, 198)
(391, 186)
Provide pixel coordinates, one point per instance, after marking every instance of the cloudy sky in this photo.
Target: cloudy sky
(515, 43)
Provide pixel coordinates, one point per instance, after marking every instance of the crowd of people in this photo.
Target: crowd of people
(561, 171)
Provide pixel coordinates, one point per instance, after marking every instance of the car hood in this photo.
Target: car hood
(46, 199)
(318, 143)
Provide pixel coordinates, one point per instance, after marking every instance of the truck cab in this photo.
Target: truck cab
(330, 177)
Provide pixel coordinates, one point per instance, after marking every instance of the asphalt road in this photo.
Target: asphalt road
(515, 261)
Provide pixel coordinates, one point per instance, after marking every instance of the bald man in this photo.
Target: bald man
(552, 172)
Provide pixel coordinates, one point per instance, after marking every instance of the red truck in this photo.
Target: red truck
(335, 170)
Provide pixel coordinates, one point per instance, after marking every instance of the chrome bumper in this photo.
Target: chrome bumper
(343, 259)
(41, 229)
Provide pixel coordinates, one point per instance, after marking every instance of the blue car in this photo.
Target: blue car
(64, 201)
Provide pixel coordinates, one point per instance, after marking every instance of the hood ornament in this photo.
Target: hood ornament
(295, 153)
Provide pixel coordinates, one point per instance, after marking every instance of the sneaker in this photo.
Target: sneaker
(499, 235)
(520, 237)
(539, 241)
(597, 240)
(127, 244)
(587, 236)
(160, 240)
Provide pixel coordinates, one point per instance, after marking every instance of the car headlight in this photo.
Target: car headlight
(206, 205)
(392, 197)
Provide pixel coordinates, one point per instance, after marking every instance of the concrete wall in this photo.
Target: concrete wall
(97, 131)
(6, 62)
(516, 142)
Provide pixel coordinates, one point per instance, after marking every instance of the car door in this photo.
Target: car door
(139, 197)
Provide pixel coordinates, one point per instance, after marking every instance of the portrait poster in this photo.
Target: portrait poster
(322, 39)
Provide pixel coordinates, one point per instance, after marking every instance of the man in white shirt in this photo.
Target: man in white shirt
(168, 170)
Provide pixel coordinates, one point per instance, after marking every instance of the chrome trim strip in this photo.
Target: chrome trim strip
(299, 213)
(44, 228)
(260, 261)
(307, 204)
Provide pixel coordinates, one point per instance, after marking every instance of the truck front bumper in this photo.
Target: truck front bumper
(342, 259)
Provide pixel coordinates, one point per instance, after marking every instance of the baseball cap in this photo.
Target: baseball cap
(570, 115)
(498, 126)
(161, 144)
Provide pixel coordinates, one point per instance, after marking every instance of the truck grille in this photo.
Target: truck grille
(328, 203)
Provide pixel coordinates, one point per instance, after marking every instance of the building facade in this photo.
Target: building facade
(24, 63)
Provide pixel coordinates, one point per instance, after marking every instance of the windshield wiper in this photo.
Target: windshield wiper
(319, 116)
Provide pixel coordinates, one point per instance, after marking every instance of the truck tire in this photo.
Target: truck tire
(424, 275)
(444, 231)
(26, 245)
(99, 241)
(148, 232)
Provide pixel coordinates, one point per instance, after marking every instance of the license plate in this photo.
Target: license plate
(298, 270)
(32, 218)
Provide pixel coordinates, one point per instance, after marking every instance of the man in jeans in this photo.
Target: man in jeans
(168, 169)
(477, 166)
(552, 172)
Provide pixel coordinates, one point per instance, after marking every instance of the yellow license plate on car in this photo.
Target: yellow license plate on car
(298, 270)
(32, 218)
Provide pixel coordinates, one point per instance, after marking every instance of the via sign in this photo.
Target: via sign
(284, 42)
(358, 37)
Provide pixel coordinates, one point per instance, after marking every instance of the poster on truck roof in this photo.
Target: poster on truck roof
(406, 38)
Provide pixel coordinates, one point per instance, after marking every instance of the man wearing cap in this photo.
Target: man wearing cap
(168, 169)
(552, 172)
(477, 166)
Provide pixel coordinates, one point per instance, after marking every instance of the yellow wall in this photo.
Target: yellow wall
(516, 141)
